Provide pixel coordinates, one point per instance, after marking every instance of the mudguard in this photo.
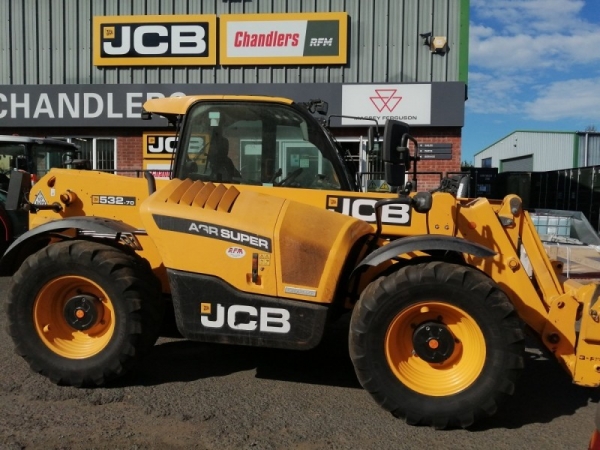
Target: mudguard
(424, 243)
(99, 225)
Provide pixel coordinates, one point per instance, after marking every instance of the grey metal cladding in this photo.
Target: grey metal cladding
(50, 42)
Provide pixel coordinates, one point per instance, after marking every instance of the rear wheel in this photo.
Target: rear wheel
(436, 344)
(81, 312)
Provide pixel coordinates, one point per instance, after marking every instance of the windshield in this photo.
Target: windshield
(37, 159)
(256, 143)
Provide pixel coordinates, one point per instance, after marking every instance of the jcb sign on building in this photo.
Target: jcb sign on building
(159, 145)
(155, 40)
(304, 38)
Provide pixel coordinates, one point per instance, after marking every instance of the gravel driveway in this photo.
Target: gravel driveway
(188, 395)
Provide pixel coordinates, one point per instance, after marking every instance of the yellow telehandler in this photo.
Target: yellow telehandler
(262, 237)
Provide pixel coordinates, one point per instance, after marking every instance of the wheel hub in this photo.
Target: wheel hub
(433, 342)
(82, 311)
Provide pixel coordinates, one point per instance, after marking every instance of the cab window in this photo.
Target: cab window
(254, 143)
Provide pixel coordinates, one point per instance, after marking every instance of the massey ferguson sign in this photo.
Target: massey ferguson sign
(410, 103)
(307, 38)
(155, 40)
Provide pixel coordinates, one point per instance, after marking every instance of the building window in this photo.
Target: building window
(486, 162)
(100, 152)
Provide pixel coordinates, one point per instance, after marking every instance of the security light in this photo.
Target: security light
(436, 44)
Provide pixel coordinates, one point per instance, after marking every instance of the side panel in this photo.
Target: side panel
(210, 310)
(92, 194)
(258, 244)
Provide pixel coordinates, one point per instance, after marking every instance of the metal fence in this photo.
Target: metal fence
(568, 189)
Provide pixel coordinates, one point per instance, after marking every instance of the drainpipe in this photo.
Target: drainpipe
(587, 141)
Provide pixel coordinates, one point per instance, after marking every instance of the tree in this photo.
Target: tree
(465, 166)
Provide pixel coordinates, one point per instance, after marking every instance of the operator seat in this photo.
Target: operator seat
(221, 166)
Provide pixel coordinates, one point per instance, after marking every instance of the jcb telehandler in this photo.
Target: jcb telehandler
(261, 239)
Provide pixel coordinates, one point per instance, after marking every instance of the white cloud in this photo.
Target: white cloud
(533, 16)
(489, 94)
(527, 53)
(571, 99)
(531, 35)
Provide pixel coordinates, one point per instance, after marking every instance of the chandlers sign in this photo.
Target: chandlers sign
(305, 38)
(120, 105)
(155, 40)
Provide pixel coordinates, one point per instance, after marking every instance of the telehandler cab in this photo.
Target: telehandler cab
(261, 238)
(31, 156)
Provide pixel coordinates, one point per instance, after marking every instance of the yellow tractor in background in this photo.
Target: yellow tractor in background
(262, 238)
(31, 156)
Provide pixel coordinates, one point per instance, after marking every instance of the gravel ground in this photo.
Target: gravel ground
(188, 395)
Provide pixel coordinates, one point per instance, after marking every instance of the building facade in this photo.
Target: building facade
(542, 151)
(81, 69)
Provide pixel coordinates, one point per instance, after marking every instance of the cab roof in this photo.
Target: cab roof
(13, 139)
(179, 105)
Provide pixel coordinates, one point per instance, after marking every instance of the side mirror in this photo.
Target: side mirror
(371, 139)
(395, 174)
(18, 187)
(395, 152)
(322, 108)
(395, 136)
(21, 164)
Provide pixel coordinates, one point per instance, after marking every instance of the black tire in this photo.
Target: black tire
(110, 297)
(436, 344)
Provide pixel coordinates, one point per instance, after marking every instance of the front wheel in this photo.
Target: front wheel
(437, 344)
(81, 313)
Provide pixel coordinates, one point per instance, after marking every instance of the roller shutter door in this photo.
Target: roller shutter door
(521, 164)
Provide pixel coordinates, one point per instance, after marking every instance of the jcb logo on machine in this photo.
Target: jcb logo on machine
(246, 318)
(364, 209)
(155, 40)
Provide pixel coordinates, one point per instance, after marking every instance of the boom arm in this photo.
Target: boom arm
(548, 303)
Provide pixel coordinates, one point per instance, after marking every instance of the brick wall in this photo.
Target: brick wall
(437, 136)
(129, 154)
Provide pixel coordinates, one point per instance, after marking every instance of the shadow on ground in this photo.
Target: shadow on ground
(177, 359)
(544, 391)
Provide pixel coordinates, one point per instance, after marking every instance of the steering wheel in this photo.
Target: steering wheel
(291, 177)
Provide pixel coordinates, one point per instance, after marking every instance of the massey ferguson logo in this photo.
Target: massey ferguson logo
(153, 40)
(385, 99)
(410, 103)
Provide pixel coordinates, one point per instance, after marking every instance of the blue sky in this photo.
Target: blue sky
(533, 65)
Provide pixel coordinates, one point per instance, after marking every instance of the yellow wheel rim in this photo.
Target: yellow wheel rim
(457, 372)
(57, 333)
